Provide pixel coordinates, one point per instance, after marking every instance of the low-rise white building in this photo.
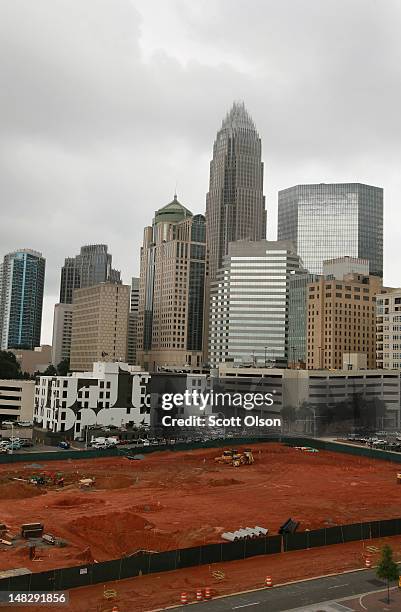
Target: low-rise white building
(17, 400)
(112, 394)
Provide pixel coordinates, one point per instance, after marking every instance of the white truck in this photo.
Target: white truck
(103, 442)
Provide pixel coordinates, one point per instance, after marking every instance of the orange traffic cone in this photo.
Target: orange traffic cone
(368, 562)
(208, 593)
(199, 595)
(269, 581)
(184, 598)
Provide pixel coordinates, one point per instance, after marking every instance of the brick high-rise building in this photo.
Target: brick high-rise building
(171, 289)
(99, 325)
(341, 319)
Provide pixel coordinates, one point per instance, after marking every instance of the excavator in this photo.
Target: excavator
(236, 458)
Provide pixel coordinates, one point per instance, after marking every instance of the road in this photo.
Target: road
(297, 595)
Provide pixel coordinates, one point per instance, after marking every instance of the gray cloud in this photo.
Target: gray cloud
(106, 104)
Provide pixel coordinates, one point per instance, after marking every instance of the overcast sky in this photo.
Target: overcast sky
(106, 105)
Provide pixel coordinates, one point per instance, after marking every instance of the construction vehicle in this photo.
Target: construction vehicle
(236, 458)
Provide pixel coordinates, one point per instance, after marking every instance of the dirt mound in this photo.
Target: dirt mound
(224, 482)
(111, 534)
(74, 501)
(19, 490)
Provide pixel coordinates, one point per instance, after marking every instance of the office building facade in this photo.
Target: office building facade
(92, 266)
(22, 278)
(249, 303)
(133, 322)
(62, 330)
(328, 221)
(298, 317)
(17, 400)
(388, 329)
(171, 289)
(99, 325)
(341, 319)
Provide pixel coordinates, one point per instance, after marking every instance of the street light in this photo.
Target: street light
(12, 438)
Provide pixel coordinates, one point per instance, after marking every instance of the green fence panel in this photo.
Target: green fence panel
(210, 553)
(163, 561)
(334, 535)
(135, 565)
(296, 541)
(72, 577)
(375, 529)
(233, 551)
(389, 527)
(317, 537)
(188, 557)
(43, 581)
(273, 544)
(106, 571)
(354, 532)
(255, 547)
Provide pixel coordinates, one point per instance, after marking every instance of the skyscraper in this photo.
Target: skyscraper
(327, 221)
(249, 303)
(235, 204)
(22, 277)
(171, 289)
(90, 267)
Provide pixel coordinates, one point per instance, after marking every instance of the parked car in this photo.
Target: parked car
(7, 424)
(64, 445)
(26, 443)
(13, 446)
(24, 423)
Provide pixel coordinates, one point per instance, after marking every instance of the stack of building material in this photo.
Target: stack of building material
(32, 530)
(289, 526)
(245, 534)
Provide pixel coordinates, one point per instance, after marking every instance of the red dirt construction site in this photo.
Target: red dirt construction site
(173, 499)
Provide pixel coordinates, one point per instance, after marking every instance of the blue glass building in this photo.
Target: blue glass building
(22, 277)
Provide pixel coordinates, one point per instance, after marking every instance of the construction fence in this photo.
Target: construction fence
(143, 562)
(338, 447)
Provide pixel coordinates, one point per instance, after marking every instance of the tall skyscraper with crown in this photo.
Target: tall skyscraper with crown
(235, 204)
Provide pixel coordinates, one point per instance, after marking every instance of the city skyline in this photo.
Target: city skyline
(79, 150)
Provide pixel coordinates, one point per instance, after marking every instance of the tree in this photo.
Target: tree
(387, 568)
(63, 367)
(9, 366)
(50, 371)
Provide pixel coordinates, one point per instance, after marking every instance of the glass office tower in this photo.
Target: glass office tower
(22, 278)
(333, 220)
(92, 266)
